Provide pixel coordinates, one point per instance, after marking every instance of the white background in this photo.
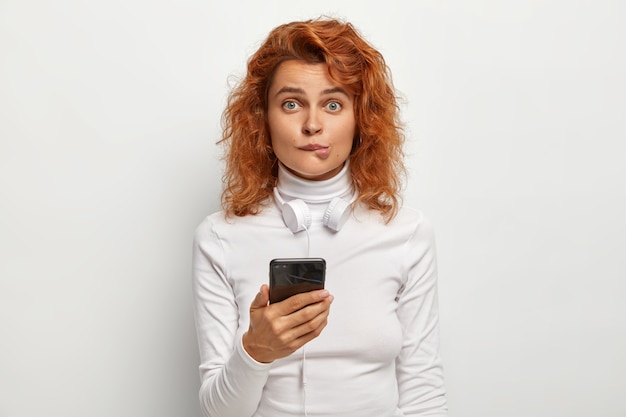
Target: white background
(109, 113)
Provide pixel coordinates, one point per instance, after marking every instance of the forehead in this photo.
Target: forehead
(311, 78)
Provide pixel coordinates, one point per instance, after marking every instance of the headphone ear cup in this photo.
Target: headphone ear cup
(296, 215)
(336, 214)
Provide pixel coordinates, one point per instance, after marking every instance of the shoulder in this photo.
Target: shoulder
(415, 217)
(210, 224)
(220, 225)
(416, 224)
(407, 218)
(408, 225)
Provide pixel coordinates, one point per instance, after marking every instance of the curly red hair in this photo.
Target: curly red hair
(376, 161)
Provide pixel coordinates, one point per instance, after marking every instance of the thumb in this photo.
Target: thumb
(262, 298)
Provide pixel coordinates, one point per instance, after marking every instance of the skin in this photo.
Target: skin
(312, 126)
(311, 120)
(277, 330)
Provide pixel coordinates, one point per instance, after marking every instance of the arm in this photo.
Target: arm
(419, 368)
(232, 382)
(233, 369)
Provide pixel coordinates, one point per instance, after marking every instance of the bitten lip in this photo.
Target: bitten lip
(313, 147)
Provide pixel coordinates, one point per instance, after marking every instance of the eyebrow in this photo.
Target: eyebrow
(295, 90)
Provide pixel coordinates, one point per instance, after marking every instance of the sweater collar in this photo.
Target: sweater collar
(292, 187)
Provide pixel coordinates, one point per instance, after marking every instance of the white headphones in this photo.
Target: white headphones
(297, 216)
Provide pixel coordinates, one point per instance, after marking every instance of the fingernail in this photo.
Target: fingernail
(324, 294)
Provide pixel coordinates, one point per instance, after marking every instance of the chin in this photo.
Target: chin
(318, 175)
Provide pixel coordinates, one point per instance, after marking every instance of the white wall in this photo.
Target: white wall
(108, 116)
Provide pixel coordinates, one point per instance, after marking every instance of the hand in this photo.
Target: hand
(277, 330)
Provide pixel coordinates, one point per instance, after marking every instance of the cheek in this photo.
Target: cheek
(344, 148)
(347, 133)
(280, 139)
(280, 128)
(275, 119)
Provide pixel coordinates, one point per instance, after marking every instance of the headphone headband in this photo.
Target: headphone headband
(297, 215)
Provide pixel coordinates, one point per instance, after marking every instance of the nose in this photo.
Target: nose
(312, 124)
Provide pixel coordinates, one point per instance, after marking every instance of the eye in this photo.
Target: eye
(333, 106)
(290, 105)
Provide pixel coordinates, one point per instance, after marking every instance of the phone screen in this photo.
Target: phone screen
(290, 276)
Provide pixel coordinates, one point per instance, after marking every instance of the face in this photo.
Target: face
(311, 120)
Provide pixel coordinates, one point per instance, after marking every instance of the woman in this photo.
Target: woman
(313, 165)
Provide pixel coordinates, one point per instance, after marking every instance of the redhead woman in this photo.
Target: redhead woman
(314, 166)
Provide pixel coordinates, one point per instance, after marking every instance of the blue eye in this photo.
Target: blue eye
(290, 105)
(333, 106)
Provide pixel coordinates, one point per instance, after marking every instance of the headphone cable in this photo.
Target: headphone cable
(308, 241)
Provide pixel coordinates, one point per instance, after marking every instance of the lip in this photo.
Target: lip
(320, 151)
(313, 147)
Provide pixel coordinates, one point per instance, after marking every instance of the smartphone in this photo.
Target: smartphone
(290, 276)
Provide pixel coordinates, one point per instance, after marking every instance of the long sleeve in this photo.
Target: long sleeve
(418, 366)
(378, 356)
(232, 382)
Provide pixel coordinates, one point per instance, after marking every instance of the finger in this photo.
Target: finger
(309, 330)
(261, 299)
(307, 319)
(265, 291)
(308, 312)
(299, 301)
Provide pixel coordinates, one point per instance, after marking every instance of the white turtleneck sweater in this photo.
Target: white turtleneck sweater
(379, 354)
